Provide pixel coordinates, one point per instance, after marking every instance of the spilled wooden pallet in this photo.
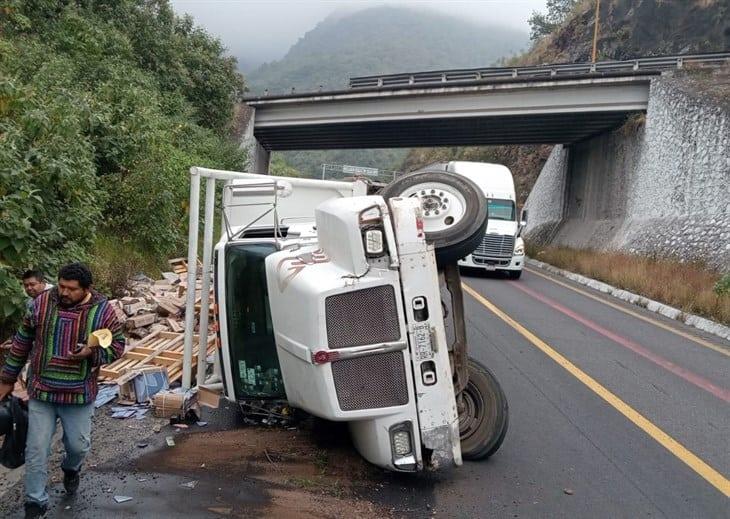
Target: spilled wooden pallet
(160, 348)
(180, 265)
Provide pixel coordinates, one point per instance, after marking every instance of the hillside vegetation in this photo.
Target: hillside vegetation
(628, 28)
(104, 106)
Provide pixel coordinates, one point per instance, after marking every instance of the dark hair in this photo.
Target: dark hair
(33, 274)
(76, 272)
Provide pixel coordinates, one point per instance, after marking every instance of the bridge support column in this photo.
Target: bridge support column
(258, 156)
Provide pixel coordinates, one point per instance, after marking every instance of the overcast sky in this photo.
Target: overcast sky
(259, 31)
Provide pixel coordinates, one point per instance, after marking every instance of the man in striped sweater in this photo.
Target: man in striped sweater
(62, 375)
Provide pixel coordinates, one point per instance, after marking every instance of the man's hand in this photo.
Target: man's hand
(84, 352)
(5, 390)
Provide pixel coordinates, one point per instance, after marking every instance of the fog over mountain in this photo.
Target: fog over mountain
(382, 40)
(257, 31)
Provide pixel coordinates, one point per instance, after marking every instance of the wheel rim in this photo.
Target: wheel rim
(443, 206)
(471, 412)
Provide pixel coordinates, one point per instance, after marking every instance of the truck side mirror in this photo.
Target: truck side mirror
(523, 218)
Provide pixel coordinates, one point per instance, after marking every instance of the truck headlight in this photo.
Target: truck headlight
(402, 443)
(520, 249)
(374, 242)
(400, 440)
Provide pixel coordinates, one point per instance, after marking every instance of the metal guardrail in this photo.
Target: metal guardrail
(435, 77)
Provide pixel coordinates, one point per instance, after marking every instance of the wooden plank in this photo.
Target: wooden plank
(159, 359)
(175, 325)
(132, 308)
(140, 321)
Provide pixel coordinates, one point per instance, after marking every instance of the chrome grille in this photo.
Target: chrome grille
(496, 246)
(371, 382)
(367, 316)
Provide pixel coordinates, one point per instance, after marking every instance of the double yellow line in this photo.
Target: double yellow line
(711, 475)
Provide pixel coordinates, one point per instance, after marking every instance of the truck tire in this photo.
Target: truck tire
(484, 414)
(454, 211)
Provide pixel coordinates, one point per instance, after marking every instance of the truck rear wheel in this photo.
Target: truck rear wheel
(454, 211)
(483, 414)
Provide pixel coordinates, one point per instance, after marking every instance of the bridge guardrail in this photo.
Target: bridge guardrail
(653, 63)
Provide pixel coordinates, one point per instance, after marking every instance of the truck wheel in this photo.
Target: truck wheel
(484, 414)
(514, 274)
(454, 211)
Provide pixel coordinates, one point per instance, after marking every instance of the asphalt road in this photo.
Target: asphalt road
(614, 411)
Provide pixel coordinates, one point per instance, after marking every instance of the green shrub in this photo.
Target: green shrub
(722, 287)
(104, 107)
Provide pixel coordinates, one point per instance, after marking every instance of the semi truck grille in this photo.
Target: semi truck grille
(367, 316)
(496, 246)
(371, 382)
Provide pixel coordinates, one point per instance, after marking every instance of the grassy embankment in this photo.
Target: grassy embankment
(691, 287)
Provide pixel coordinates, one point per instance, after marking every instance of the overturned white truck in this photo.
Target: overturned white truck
(340, 298)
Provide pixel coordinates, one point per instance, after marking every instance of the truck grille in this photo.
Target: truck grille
(367, 316)
(371, 382)
(496, 246)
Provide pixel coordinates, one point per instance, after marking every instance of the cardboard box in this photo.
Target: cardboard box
(141, 385)
(167, 404)
(208, 397)
(150, 382)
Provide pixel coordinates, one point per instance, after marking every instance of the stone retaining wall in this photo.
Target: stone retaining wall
(659, 187)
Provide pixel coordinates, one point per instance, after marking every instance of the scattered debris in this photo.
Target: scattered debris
(189, 484)
(568, 491)
(208, 397)
(107, 393)
(159, 348)
(174, 403)
(135, 411)
(201, 424)
(170, 441)
(221, 510)
(142, 384)
(122, 499)
(142, 445)
(180, 425)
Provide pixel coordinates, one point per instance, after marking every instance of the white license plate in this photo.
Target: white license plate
(422, 338)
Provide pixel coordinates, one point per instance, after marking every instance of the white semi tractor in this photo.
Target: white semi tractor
(344, 300)
(502, 249)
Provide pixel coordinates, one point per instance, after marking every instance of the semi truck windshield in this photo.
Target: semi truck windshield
(501, 209)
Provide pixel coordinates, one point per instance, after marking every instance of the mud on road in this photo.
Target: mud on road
(227, 469)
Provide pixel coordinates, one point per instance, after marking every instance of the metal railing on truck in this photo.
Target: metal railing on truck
(648, 64)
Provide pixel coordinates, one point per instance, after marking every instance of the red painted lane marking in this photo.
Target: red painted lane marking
(689, 376)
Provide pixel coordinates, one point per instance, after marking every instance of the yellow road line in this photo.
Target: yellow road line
(711, 475)
(620, 308)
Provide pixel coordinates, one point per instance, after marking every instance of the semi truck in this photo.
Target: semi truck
(502, 249)
(344, 300)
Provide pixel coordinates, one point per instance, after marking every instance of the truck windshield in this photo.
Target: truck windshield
(255, 364)
(501, 209)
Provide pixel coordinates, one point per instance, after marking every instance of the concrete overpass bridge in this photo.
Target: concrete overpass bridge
(551, 104)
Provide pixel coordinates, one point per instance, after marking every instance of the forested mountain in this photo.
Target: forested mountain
(383, 40)
(376, 41)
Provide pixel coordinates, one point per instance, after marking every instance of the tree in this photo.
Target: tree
(557, 12)
(104, 107)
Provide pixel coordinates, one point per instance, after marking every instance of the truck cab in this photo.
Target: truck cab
(330, 299)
